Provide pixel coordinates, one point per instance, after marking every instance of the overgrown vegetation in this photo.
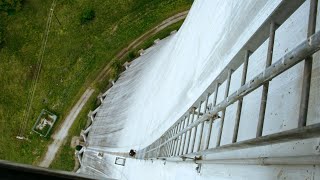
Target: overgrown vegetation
(87, 15)
(10, 5)
(74, 56)
(116, 69)
(132, 54)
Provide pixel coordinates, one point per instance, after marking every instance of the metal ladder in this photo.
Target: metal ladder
(179, 141)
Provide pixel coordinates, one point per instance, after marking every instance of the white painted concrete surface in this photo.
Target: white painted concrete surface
(163, 83)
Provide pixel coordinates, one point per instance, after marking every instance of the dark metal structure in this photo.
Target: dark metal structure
(10, 170)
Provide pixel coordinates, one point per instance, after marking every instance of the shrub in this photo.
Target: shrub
(87, 15)
(116, 69)
(10, 5)
(132, 55)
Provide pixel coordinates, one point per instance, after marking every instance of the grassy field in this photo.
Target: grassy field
(74, 55)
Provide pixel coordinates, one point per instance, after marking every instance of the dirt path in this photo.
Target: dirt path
(62, 133)
(141, 39)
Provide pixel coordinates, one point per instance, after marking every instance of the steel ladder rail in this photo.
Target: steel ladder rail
(303, 50)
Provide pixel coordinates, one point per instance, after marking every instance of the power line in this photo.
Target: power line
(26, 113)
(57, 18)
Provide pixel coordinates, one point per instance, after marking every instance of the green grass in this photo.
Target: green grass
(150, 41)
(74, 55)
(65, 157)
(117, 68)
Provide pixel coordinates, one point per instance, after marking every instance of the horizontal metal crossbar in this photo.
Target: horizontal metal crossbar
(290, 160)
(306, 132)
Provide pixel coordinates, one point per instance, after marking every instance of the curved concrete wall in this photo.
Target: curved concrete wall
(163, 83)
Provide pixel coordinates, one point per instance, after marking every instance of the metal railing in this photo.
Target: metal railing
(180, 139)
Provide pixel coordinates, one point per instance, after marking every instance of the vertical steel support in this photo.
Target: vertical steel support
(185, 134)
(182, 126)
(304, 101)
(177, 140)
(160, 149)
(239, 108)
(157, 150)
(189, 132)
(224, 110)
(156, 153)
(169, 148)
(175, 144)
(265, 87)
(171, 142)
(165, 146)
(168, 145)
(195, 129)
(202, 124)
(206, 145)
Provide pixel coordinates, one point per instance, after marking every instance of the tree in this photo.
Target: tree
(10, 5)
(87, 15)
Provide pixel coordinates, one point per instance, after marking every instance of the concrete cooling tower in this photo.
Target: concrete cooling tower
(234, 94)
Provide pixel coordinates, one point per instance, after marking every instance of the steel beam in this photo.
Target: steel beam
(185, 134)
(265, 87)
(207, 142)
(195, 128)
(289, 160)
(202, 124)
(189, 132)
(239, 108)
(224, 110)
(304, 101)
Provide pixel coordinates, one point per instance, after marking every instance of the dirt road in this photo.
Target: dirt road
(62, 133)
(141, 39)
